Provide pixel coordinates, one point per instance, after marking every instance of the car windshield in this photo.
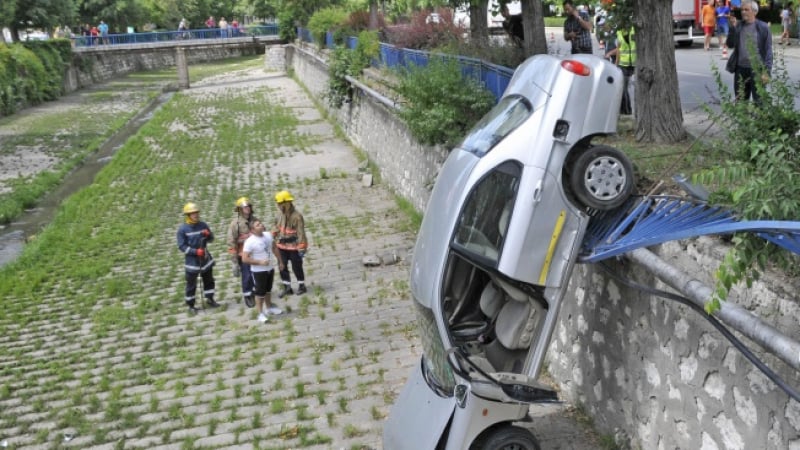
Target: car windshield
(497, 124)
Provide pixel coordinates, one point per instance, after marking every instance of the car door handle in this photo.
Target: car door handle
(537, 192)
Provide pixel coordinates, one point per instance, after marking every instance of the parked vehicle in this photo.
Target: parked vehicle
(687, 22)
(495, 252)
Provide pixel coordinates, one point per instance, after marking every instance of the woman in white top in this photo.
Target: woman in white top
(256, 252)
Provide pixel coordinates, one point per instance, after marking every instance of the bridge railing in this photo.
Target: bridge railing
(495, 78)
(179, 35)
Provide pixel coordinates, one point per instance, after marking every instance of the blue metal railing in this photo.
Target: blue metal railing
(168, 36)
(495, 78)
(651, 220)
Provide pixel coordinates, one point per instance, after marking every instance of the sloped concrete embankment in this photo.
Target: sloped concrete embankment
(651, 372)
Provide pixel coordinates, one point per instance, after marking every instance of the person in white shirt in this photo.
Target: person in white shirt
(256, 252)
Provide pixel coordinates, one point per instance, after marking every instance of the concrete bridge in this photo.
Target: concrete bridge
(98, 63)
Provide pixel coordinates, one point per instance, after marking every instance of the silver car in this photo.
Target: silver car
(496, 249)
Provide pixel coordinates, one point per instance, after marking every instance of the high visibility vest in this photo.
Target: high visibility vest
(627, 49)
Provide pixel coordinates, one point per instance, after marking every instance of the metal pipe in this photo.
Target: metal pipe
(740, 319)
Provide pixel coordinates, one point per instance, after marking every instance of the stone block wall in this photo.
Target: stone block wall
(90, 66)
(651, 372)
(658, 375)
(408, 167)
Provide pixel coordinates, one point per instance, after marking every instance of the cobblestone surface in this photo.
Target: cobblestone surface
(321, 376)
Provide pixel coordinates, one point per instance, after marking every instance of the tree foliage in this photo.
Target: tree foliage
(442, 103)
(20, 15)
(758, 175)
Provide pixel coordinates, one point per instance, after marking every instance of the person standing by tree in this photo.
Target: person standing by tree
(577, 29)
(749, 66)
(709, 14)
(625, 57)
(255, 253)
(290, 236)
(193, 236)
(238, 232)
(512, 24)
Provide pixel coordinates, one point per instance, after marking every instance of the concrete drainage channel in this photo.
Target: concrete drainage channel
(14, 236)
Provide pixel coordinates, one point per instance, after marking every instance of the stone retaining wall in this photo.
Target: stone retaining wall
(651, 372)
(93, 65)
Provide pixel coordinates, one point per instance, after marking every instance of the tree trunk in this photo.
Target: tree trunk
(659, 117)
(373, 15)
(479, 22)
(533, 27)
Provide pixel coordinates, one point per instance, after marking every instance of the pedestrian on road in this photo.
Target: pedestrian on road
(238, 232)
(577, 29)
(749, 66)
(709, 14)
(723, 12)
(290, 236)
(255, 253)
(786, 21)
(193, 237)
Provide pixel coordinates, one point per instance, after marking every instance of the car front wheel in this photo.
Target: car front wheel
(506, 437)
(602, 178)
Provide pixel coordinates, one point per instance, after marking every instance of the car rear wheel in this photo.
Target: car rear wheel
(602, 177)
(506, 437)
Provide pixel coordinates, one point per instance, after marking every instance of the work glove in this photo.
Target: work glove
(206, 233)
(237, 271)
(200, 253)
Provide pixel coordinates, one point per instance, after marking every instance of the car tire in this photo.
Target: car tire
(602, 178)
(506, 437)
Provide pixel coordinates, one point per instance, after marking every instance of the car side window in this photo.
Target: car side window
(497, 124)
(484, 221)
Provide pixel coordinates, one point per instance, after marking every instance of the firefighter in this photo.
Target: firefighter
(193, 237)
(238, 232)
(290, 236)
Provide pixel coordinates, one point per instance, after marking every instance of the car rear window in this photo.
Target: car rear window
(507, 115)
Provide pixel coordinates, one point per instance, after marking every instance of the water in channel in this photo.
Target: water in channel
(14, 235)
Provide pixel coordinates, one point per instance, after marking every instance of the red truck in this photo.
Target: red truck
(687, 21)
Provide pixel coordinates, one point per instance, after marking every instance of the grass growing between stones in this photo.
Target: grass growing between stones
(94, 338)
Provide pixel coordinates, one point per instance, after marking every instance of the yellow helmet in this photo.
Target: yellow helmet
(283, 197)
(241, 202)
(190, 208)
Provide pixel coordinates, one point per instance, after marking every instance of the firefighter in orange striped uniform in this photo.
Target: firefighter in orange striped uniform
(238, 232)
(290, 235)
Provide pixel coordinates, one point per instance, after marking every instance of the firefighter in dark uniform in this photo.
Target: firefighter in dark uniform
(290, 236)
(193, 236)
(238, 232)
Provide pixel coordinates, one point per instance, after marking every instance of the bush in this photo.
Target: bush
(756, 180)
(324, 20)
(350, 62)
(31, 72)
(286, 26)
(424, 34)
(442, 104)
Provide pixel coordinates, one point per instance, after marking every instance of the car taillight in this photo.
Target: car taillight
(576, 67)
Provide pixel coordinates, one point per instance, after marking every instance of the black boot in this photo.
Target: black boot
(249, 301)
(211, 303)
(192, 309)
(287, 290)
(301, 289)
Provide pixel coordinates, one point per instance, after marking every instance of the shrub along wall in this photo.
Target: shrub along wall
(650, 372)
(31, 73)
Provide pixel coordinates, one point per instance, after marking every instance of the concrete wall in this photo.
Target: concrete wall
(96, 64)
(649, 371)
